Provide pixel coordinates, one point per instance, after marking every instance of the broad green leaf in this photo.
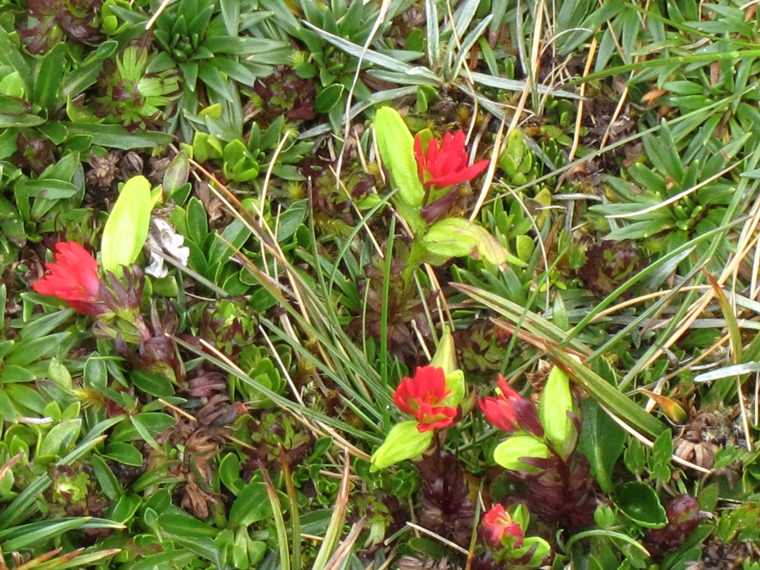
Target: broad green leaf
(176, 173)
(178, 523)
(152, 383)
(639, 502)
(635, 457)
(125, 453)
(108, 482)
(47, 86)
(60, 439)
(662, 452)
(397, 151)
(14, 106)
(125, 508)
(126, 230)
(602, 442)
(251, 505)
(329, 97)
(404, 441)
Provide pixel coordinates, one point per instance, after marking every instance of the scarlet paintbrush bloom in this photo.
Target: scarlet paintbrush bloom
(73, 277)
(423, 396)
(498, 523)
(444, 163)
(510, 412)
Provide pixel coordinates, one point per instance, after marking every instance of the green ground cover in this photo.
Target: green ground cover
(415, 284)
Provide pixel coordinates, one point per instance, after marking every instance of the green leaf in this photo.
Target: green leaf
(108, 482)
(47, 85)
(662, 452)
(10, 121)
(458, 237)
(116, 136)
(152, 383)
(197, 222)
(60, 439)
(185, 526)
(176, 173)
(404, 441)
(14, 106)
(125, 453)
(509, 452)
(251, 505)
(125, 508)
(24, 536)
(602, 441)
(126, 230)
(329, 97)
(396, 146)
(635, 457)
(639, 502)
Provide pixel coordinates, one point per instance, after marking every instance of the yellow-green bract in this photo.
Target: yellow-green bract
(457, 237)
(396, 146)
(509, 452)
(404, 441)
(556, 402)
(127, 227)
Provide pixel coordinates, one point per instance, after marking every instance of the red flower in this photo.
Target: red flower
(498, 523)
(510, 412)
(445, 164)
(422, 397)
(73, 277)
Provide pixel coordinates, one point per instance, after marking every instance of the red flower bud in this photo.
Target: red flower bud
(73, 278)
(510, 412)
(423, 396)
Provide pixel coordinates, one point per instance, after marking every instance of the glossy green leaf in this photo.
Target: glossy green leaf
(152, 383)
(639, 502)
(329, 97)
(14, 106)
(48, 83)
(251, 505)
(176, 173)
(125, 453)
(108, 482)
(178, 523)
(60, 439)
